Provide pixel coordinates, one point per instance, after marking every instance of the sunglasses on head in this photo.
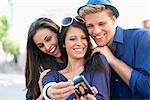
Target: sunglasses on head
(69, 20)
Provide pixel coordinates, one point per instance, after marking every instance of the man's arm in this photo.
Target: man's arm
(122, 69)
(134, 78)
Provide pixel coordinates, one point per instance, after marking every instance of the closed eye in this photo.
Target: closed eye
(102, 23)
(72, 39)
(48, 38)
(40, 45)
(89, 26)
(84, 37)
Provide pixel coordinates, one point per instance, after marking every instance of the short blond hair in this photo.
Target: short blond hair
(91, 9)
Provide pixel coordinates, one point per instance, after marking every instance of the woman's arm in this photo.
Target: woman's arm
(61, 90)
(57, 90)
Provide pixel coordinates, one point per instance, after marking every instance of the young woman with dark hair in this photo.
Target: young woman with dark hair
(42, 53)
(75, 47)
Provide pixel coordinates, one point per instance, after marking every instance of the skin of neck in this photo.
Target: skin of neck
(59, 60)
(74, 64)
(110, 42)
(74, 67)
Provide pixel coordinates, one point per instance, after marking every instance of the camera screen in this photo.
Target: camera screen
(82, 87)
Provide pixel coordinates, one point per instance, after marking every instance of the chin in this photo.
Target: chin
(100, 44)
(58, 55)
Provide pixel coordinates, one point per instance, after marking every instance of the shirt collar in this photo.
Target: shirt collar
(118, 35)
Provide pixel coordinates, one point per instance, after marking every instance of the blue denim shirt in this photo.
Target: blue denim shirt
(132, 46)
(101, 80)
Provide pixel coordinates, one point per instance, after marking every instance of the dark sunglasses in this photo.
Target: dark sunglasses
(69, 20)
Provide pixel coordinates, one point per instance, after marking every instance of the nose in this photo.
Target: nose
(79, 42)
(46, 46)
(96, 30)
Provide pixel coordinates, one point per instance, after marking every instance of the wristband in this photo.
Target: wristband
(45, 95)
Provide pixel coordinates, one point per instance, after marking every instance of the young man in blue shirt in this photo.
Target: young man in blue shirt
(127, 50)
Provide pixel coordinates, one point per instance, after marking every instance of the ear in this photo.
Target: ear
(113, 19)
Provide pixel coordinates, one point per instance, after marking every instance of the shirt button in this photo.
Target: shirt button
(116, 80)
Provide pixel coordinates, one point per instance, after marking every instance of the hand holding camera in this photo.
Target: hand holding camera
(82, 87)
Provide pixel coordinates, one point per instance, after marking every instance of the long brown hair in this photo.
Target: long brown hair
(36, 57)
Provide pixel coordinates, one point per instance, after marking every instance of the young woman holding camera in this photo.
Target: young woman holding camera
(76, 51)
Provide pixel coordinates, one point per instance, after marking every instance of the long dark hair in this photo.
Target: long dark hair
(92, 60)
(35, 57)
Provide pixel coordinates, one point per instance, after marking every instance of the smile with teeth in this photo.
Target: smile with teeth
(53, 49)
(78, 49)
(100, 36)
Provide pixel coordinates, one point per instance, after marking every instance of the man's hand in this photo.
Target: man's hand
(106, 52)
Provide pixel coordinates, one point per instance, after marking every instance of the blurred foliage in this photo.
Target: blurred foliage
(12, 47)
(3, 26)
(9, 46)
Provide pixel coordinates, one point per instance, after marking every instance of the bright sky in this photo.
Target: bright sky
(26, 11)
(132, 13)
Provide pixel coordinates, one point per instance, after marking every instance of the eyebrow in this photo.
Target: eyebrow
(45, 37)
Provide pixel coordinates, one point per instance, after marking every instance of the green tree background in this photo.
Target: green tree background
(9, 46)
(3, 27)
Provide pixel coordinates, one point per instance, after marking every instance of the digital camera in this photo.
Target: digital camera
(82, 87)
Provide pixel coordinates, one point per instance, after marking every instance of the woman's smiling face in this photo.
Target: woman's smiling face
(76, 43)
(46, 40)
